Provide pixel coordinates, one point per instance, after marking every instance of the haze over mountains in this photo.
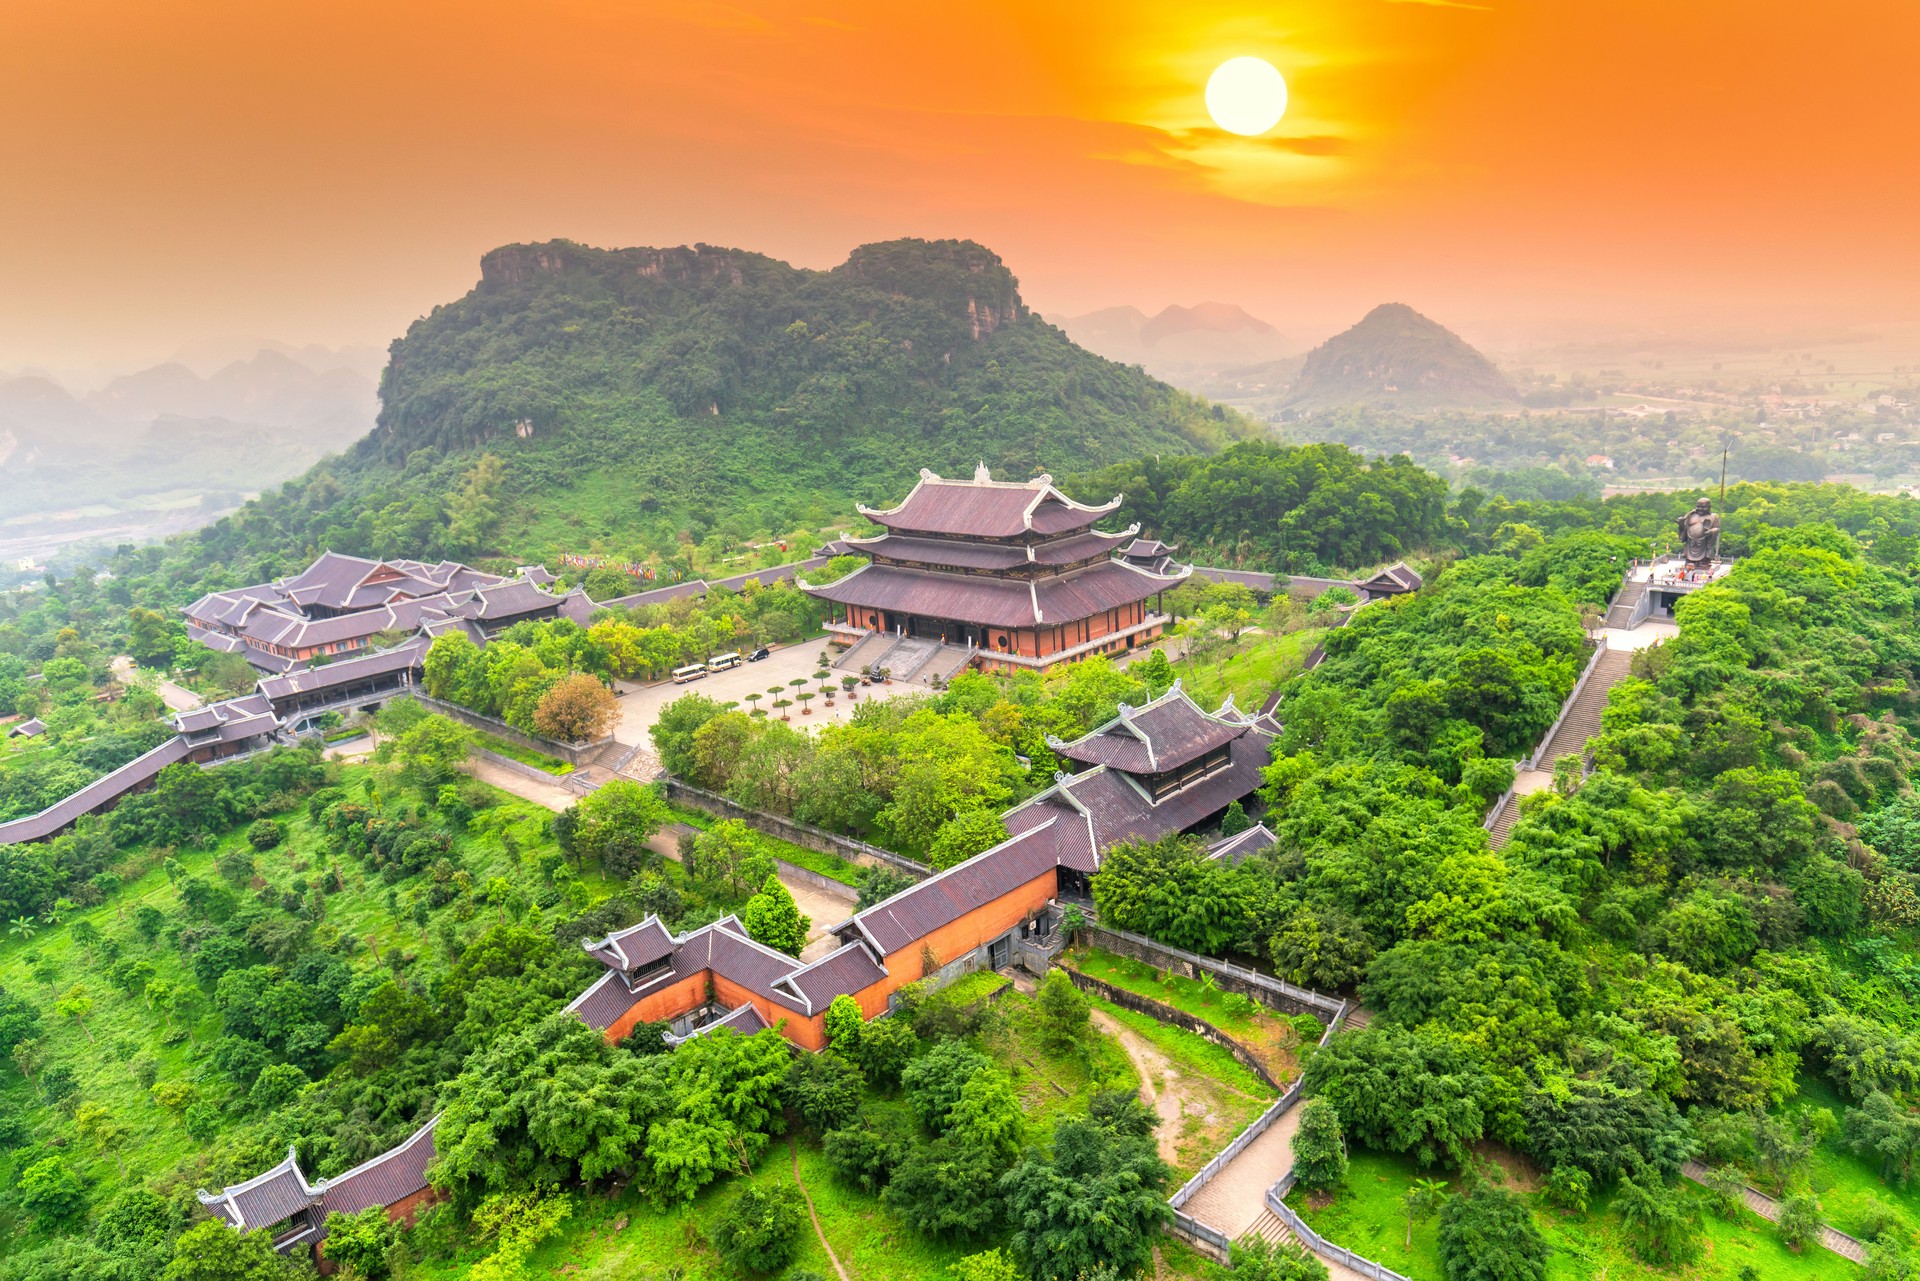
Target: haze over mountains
(154, 450)
(1397, 358)
(1183, 345)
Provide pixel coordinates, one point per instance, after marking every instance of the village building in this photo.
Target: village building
(1152, 771)
(282, 1202)
(336, 606)
(1007, 574)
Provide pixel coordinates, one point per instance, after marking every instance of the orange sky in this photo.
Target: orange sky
(174, 169)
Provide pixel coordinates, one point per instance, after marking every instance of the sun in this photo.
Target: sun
(1246, 95)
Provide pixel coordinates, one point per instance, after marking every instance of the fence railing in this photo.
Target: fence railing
(1546, 740)
(1231, 977)
(1179, 1018)
(1277, 1202)
(1190, 1227)
(788, 829)
(1492, 819)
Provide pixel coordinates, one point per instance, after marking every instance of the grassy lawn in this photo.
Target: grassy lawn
(1052, 1083)
(1848, 1187)
(121, 1029)
(1270, 1036)
(1249, 669)
(525, 755)
(831, 866)
(969, 988)
(1218, 1097)
(1366, 1217)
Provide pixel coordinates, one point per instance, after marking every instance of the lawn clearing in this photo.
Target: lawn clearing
(1249, 669)
(1367, 1217)
(525, 755)
(1271, 1037)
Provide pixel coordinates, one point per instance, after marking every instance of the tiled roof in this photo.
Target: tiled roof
(1075, 548)
(346, 671)
(516, 599)
(32, 727)
(986, 508)
(995, 602)
(841, 972)
(1148, 548)
(393, 1176)
(95, 795)
(265, 1199)
(1242, 844)
(1392, 580)
(1158, 736)
(722, 947)
(945, 897)
(958, 553)
(744, 1019)
(634, 947)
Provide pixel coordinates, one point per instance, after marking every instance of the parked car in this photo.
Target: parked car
(759, 654)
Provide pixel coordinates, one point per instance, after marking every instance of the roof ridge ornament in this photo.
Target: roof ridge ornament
(981, 476)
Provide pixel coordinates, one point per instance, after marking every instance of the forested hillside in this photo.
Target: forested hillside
(619, 400)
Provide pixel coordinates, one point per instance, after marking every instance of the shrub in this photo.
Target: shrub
(203, 1122)
(1490, 1236)
(824, 1089)
(1663, 1227)
(1319, 1150)
(1569, 1187)
(1063, 1011)
(265, 834)
(759, 1231)
(866, 1153)
(1799, 1220)
(51, 1193)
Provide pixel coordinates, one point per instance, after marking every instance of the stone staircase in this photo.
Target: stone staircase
(1268, 1227)
(946, 664)
(1503, 826)
(1620, 613)
(907, 656)
(866, 651)
(1582, 720)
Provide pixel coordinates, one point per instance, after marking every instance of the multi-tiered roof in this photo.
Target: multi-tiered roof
(995, 552)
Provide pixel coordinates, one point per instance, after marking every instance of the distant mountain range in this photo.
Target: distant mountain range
(165, 438)
(1397, 358)
(1180, 344)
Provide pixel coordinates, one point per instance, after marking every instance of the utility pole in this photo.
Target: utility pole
(1726, 444)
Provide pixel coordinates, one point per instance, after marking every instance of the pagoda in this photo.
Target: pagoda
(1011, 574)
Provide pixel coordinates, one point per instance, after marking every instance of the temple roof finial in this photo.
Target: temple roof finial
(980, 473)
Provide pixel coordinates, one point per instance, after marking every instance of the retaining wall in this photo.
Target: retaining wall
(804, 835)
(569, 781)
(1177, 1017)
(575, 754)
(1228, 977)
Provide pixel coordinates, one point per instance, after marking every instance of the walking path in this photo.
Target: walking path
(1769, 1209)
(812, 1213)
(1166, 1098)
(1235, 1198)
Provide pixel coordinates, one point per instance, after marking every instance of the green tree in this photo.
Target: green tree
(965, 835)
(1099, 1201)
(1063, 1010)
(1319, 1149)
(1256, 1260)
(1662, 1226)
(728, 858)
(825, 1089)
(212, 1251)
(773, 918)
(51, 1193)
(361, 1241)
(759, 1231)
(1402, 1091)
(1490, 1236)
(614, 823)
(1799, 1221)
(1423, 1200)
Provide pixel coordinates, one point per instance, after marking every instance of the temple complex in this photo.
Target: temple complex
(1006, 574)
(1150, 772)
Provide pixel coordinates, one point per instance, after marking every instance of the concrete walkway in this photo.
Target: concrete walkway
(1234, 1198)
(1769, 1209)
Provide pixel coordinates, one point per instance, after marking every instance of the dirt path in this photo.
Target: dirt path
(1166, 1098)
(814, 1214)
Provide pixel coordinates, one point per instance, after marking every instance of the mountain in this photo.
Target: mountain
(1397, 358)
(628, 401)
(632, 392)
(1184, 345)
(161, 449)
